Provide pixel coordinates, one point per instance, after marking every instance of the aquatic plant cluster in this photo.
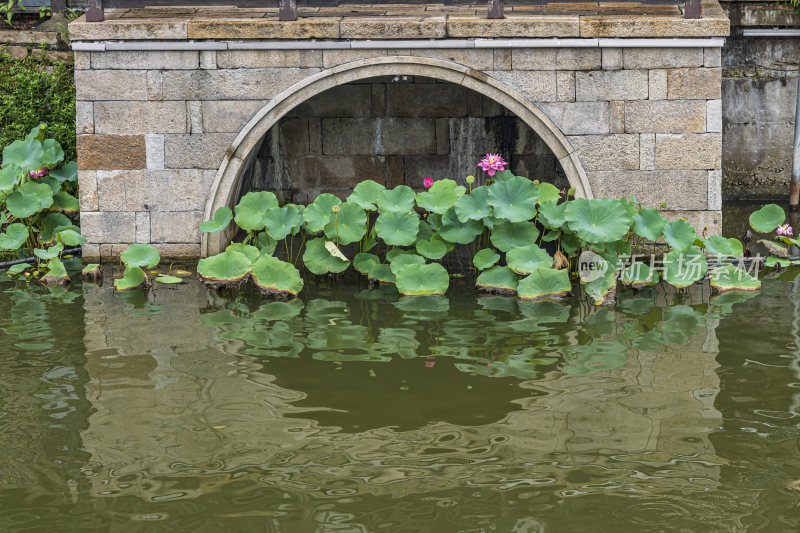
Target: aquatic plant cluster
(507, 225)
(36, 207)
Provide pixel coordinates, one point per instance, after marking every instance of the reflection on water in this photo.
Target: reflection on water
(355, 410)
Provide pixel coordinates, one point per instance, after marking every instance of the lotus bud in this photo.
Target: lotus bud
(560, 260)
(470, 180)
(335, 209)
(663, 205)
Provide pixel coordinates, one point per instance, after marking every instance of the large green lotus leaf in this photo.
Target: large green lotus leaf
(365, 194)
(414, 280)
(602, 287)
(638, 275)
(737, 250)
(26, 154)
(514, 199)
(514, 234)
(227, 268)
(14, 237)
(684, 267)
(319, 260)
(402, 260)
(397, 228)
(52, 224)
(598, 220)
(440, 197)
(52, 154)
(54, 184)
(473, 206)
(544, 283)
(50, 253)
(265, 243)
(401, 198)
(552, 215)
(381, 272)
(248, 250)
(299, 209)
(433, 248)
(18, 268)
(503, 176)
(767, 219)
(498, 279)
(485, 258)
(141, 255)
(526, 259)
(363, 262)
(394, 252)
(728, 277)
(169, 280)
(279, 222)
(679, 234)
(548, 193)
(251, 208)
(56, 274)
(66, 202)
(274, 276)
(132, 278)
(719, 246)
(455, 231)
(68, 172)
(9, 177)
(348, 225)
(222, 218)
(319, 212)
(649, 223)
(29, 198)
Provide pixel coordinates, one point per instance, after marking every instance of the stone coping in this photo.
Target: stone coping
(585, 20)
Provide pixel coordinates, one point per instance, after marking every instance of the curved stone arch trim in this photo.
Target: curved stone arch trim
(243, 148)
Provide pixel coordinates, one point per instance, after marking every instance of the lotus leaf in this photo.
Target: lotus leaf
(320, 261)
(401, 199)
(603, 289)
(777, 261)
(767, 219)
(273, 276)
(50, 253)
(728, 277)
(719, 246)
(226, 269)
(526, 259)
(26, 154)
(485, 258)
(279, 222)
(397, 228)
(251, 208)
(348, 225)
(544, 283)
(455, 231)
(132, 278)
(68, 172)
(168, 280)
(365, 194)
(679, 234)
(29, 198)
(551, 214)
(17, 269)
(141, 255)
(597, 220)
(514, 199)
(514, 234)
(363, 262)
(66, 202)
(56, 273)
(381, 272)
(548, 193)
(54, 184)
(52, 154)
(503, 176)
(649, 223)
(394, 252)
(266, 243)
(251, 252)
(440, 197)
(9, 177)
(638, 275)
(433, 248)
(401, 260)
(473, 206)
(52, 224)
(737, 250)
(222, 217)
(14, 237)
(499, 279)
(684, 267)
(319, 212)
(414, 280)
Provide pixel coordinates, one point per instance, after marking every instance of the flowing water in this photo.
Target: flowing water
(351, 409)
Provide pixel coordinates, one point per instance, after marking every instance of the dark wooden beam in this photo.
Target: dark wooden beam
(94, 13)
(693, 9)
(496, 9)
(287, 10)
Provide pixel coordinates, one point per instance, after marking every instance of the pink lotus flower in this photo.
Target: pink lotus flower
(430, 364)
(492, 164)
(428, 183)
(36, 174)
(785, 229)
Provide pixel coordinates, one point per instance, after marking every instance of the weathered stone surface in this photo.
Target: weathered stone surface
(680, 189)
(304, 28)
(154, 146)
(607, 152)
(757, 169)
(715, 189)
(536, 86)
(479, 59)
(649, 58)
(178, 251)
(143, 227)
(704, 222)
(111, 85)
(335, 172)
(87, 190)
(714, 116)
(611, 85)
(689, 151)
(341, 101)
(768, 15)
(658, 85)
(694, 83)
(269, 58)
(502, 59)
(111, 189)
(413, 100)
(350, 136)
(612, 58)
(653, 26)
(758, 101)
(556, 58)
(90, 253)
(82, 60)
(530, 27)
(578, 118)
(659, 116)
(230, 84)
(28, 37)
(228, 116)
(331, 58)
(392, 28)
(97, 152)
(418, 167)
(294, 136)
(194, 119)
(616, 117)
(146, 60)
(127, 29)
(407, 136)
(139, 117)
(712, 57)
(100, 227)
(565, 86)
(647, 151)
(84, 117)
(204, 150)
(175, 226)
(166, 190)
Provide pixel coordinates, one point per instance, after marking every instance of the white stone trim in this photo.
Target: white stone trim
(771, 32)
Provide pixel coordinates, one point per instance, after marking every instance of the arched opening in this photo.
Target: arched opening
(282, 148)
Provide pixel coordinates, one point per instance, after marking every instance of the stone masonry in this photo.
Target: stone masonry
(161, 131)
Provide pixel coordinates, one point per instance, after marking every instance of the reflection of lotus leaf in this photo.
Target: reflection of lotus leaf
(402, 341)
(345, 357)
(595, 357)
(339, 337)
(279, 310)
(544, 311)
(423, 304)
